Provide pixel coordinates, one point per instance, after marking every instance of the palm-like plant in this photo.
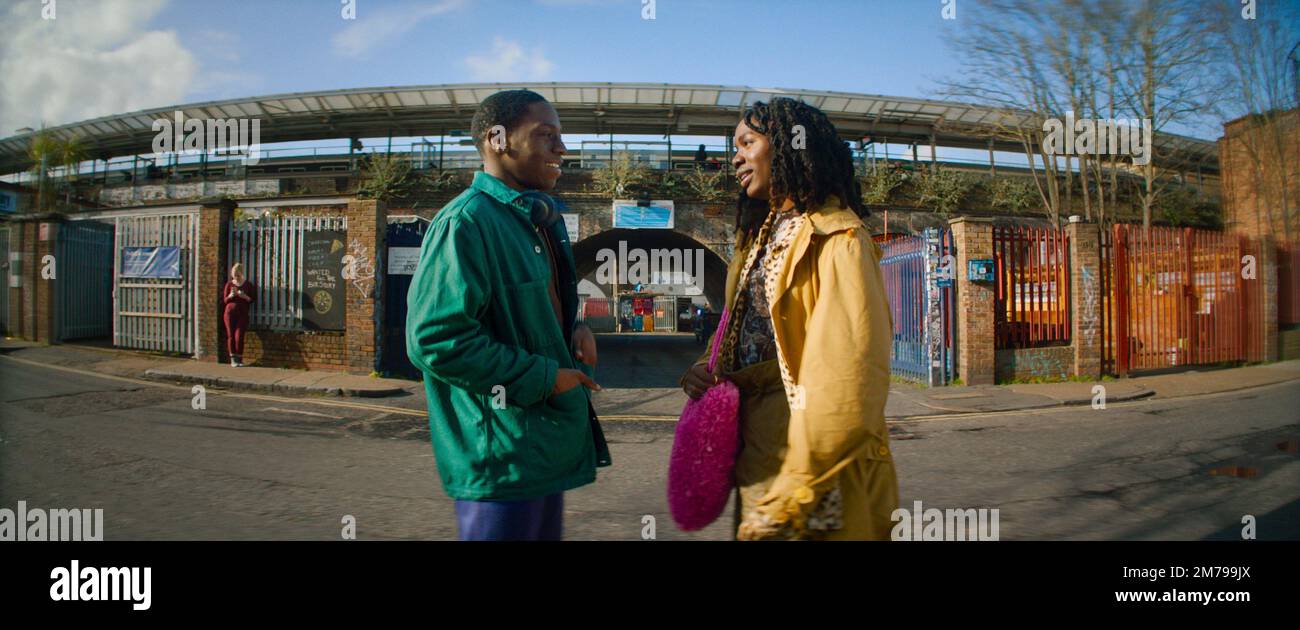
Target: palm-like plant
(43, 152)
(70, 154)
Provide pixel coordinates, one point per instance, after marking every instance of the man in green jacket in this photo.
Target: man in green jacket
(491, 323)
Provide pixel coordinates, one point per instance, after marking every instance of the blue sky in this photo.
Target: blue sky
(100, 57)
(876, 46)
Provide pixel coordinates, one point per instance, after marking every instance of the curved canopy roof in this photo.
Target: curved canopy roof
(584, 108)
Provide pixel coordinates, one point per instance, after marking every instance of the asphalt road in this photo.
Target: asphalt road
(266, 467)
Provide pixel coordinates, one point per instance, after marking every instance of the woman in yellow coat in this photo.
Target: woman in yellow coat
(808, 338)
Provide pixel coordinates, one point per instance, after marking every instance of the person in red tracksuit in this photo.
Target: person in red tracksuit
(236, 296)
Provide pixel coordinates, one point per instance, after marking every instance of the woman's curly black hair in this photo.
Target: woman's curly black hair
(807, 175)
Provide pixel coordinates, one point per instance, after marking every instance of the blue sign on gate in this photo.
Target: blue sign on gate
(151, 262)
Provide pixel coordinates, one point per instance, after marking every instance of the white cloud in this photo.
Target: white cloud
(508, 62)
(371, 28)
(94, 59)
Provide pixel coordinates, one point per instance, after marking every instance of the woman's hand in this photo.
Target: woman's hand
(697, 380)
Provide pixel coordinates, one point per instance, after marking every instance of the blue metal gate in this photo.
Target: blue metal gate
(918, 273)
(405, 234)
(85, 280)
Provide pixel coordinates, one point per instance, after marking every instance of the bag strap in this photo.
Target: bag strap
(717, 338)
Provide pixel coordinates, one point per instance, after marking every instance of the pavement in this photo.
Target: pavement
(622, 402)
(162, 367)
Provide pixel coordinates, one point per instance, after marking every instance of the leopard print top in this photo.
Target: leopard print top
(749, 339)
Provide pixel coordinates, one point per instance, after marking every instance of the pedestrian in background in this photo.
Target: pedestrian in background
(236, 296)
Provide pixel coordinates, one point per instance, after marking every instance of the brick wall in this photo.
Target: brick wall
(367, 244)
(214, 234)
(288, 349)
(301, 350)
(1265, 251)
(1251, 158)
(1085, 299)
(32, 305)
(1023, 364)
(976, 361)
(21, 300)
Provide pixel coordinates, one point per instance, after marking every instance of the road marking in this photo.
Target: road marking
(220, 392)
(305, 413)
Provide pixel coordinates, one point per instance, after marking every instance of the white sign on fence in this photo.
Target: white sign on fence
(571, 224)
(402, 260)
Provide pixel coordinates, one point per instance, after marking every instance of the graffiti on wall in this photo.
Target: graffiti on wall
(1088, 319)
(359, 267)
(1032, 363)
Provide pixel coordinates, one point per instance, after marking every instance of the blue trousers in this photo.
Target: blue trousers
(531, 519)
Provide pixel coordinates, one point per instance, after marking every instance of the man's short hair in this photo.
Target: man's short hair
(504, 108)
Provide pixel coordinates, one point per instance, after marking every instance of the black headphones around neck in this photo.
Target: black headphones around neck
(543, 210)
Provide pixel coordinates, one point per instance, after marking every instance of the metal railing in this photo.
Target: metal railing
(1032, 303)
(1182, 298)
(157, 313)
(918, 287)
(85, 280)
(271, 250)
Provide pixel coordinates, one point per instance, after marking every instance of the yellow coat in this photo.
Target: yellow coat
(834, 330)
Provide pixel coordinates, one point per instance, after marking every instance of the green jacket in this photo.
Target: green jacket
(481, 327)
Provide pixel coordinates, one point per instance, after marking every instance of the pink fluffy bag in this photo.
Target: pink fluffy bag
(701, 468)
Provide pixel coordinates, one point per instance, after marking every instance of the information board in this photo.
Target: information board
(323, 296)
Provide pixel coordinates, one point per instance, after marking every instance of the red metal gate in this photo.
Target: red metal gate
(1032, 301)
(1182, 297)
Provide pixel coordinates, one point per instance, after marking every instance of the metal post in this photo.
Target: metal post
(932, 331)
(1120, 289)
(440, 137)
(933, 150)
(993, 169)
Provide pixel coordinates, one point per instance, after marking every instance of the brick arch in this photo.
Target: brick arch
(715, 262)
